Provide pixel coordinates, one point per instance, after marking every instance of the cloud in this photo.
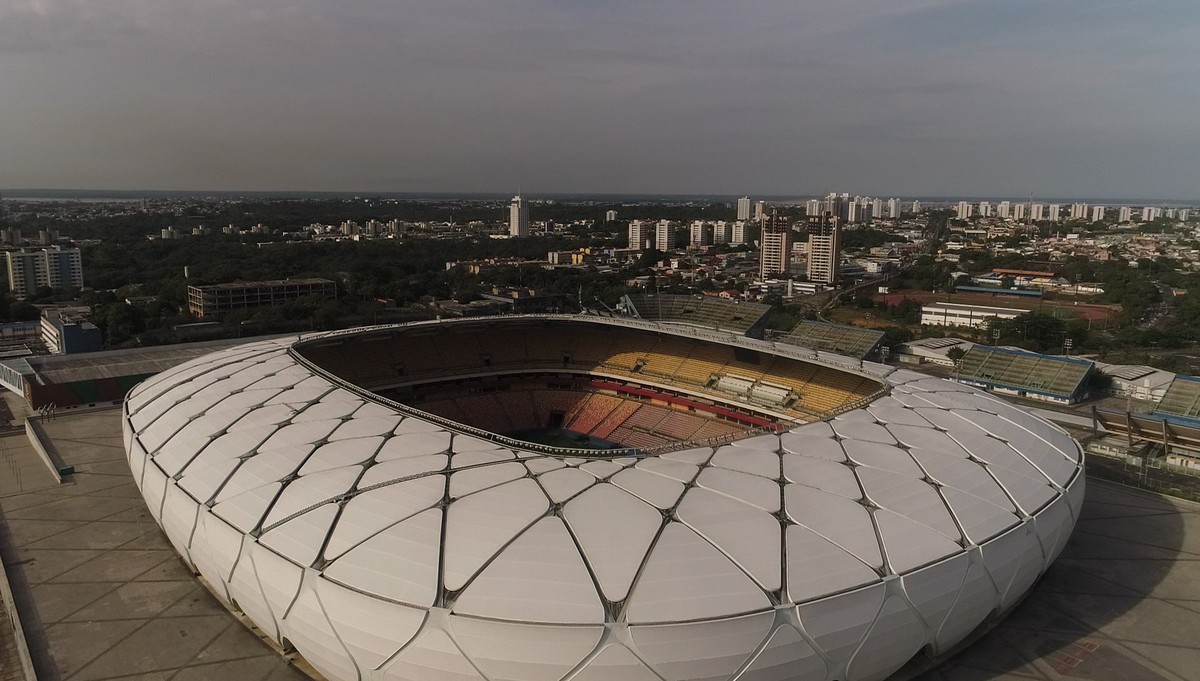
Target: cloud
(766, 96)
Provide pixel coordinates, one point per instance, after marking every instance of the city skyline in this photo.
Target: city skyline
(912, 98)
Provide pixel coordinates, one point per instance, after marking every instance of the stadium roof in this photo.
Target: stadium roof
(1000, 291)
(850, 341)
(116, 363)
(1128, 372)
(965, 307)
(707, 311)
(377, 540)
(1182, 399)
(1028, 371)
(936, 343)
(1154, 427)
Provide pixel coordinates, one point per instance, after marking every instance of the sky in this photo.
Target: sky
(1063, 98)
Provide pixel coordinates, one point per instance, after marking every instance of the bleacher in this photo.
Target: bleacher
(705, 311)
(1181, 401)
(850, 341)
(1060, 379)
(427, 356)
(521, 410)
(591, 412)
(614, 419)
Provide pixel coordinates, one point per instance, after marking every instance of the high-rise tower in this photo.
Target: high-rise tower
(743, 208)
(776, 253)
(518, 217)
(824, 249)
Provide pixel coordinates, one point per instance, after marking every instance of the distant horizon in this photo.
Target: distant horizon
(34, 194)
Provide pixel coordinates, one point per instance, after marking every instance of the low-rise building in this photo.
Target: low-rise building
(1137, 382)
(66, 331)
(931, 351)
(207, 302)
(958, 314)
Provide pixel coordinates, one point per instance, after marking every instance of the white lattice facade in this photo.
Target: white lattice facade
(383, 546)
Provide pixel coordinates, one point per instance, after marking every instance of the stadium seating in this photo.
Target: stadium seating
(394, 359)
(713, 428)
(1182, 398)
(705, 311)
(591, 412)
(680, 426)
(850, 341)
(1017, 370)
(614, 419)
(521, 410)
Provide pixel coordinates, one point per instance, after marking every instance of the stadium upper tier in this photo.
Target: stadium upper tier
(1182, 399)
(705, 311)
(793, 385)
(1058, 377)
(382, 544)
(845, 340)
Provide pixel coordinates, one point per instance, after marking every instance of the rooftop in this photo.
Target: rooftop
(270, 282)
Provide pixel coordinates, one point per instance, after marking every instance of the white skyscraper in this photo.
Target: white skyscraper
(518, 217)
(1097, 213)
(1018, 211)
(639, 233)
(700, 234)
(965, 209)
(916, 207)
(1004, 210)
(893, 208)
(1036, 210)
(876, 209)
(985, 209)
(1183, 214)
(760, 210)
(743, 208)
(1125, 214)
(1054, 213)
(854, 212)
(664, 235)
(1079, 211)
(721, 232)
(737, 233)
(1149, 214)
(610, 216)
(813, 207)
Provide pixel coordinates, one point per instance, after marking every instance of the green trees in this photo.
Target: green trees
(1039, 332)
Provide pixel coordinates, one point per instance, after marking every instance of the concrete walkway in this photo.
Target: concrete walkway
(1122, 603)
(107, 596)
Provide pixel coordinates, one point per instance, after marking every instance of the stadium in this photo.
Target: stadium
(582, 497)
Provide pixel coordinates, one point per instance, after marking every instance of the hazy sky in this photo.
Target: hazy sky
(881, 97)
